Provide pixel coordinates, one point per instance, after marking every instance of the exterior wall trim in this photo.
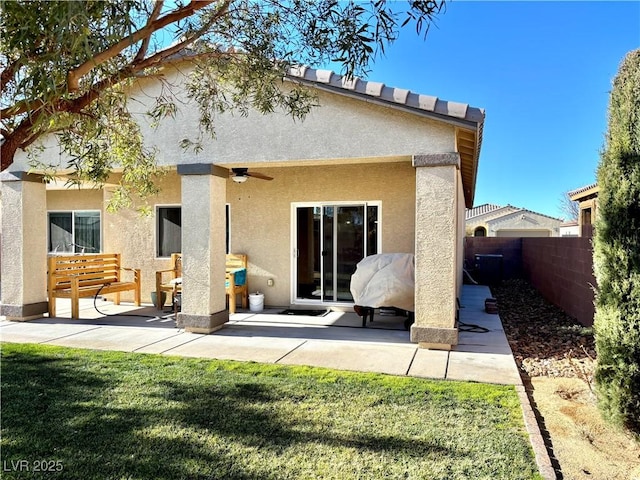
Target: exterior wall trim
(203, 169)
(437, 160)
(21, 176)
(24, 312)
(434, 335)
(202, 323)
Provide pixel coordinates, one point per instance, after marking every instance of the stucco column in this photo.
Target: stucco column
(436, 250)
(204, 195)
(24, 246)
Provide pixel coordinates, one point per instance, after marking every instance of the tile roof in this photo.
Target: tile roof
(581, 189)
(481, 210)
(447, 110)
(494, 209)
(526, 210)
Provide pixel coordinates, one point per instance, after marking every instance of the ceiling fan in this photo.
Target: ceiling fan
(240, 175)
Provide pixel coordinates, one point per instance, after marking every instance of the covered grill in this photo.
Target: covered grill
(384, 280)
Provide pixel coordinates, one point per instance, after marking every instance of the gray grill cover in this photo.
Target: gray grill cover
(385, 280)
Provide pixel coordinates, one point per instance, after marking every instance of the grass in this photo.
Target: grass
(112, 415)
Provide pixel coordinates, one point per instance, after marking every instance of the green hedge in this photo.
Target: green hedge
(617, 253)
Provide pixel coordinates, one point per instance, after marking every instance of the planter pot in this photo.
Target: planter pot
(154, 299)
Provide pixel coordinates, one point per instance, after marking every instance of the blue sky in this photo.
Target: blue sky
(541, 70)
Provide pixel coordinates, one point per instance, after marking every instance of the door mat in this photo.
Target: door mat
(311, 313)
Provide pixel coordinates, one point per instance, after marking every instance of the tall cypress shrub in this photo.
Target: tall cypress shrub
(617, 254)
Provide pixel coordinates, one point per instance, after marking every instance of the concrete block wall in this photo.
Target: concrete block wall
(561, 269)
(509, 248)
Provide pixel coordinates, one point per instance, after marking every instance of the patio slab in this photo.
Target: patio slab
(483, 367)
(357, 356)
(429, 364)
(248, 349)
(35, 332)
(125, 339)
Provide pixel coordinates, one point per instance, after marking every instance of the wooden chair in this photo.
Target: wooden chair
(169, 280)
(236, 280)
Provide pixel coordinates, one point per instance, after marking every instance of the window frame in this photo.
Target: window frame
(157, 239)
(73, 230)
(177, 205)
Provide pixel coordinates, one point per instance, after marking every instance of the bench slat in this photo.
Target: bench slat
(91, 291)
(86, 283)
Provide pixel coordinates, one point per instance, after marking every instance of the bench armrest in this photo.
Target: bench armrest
(166, 270)
(136, 273)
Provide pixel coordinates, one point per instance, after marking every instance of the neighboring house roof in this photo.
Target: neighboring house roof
(493, 212)
(468, 120)
(582, 192)
(481, 210)
(522, 211)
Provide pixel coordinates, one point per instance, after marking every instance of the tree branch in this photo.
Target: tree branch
(74, 76)
(145, 43)
(158, 57)
(13, 141)
(7, 74)
(22, 107)
(27, 106)
(24, 134)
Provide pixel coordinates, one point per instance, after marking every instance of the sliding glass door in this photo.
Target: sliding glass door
(330, 240)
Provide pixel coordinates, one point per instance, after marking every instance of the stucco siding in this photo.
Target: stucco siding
(74, 199)
(436, 246)
(21, 219)
(341, 130)
(134, 235)
(460, 238)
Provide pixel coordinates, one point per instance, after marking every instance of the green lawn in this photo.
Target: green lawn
(99, 415)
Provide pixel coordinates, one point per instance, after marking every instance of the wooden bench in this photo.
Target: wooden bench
(79, 276)
(170, 280)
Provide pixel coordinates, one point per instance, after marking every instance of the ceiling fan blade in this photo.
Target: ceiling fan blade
(259, 175)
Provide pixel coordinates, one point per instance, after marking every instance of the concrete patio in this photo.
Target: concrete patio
(336, 340)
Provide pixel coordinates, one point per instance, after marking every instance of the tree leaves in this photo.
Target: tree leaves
(67, 67)
(617, 253)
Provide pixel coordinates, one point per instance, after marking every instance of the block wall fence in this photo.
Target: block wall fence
(561, 269)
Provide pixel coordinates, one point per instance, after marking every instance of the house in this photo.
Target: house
(490, 220)
(587, 198)
(570, 229)
(373, 169)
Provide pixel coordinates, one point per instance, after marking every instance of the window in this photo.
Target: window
(169, 230)
(74, 232)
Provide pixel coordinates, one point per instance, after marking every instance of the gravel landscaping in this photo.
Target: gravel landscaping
(545, 341)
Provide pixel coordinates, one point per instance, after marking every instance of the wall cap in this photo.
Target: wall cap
(437, 160)
(21, 176)
(203, 169)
